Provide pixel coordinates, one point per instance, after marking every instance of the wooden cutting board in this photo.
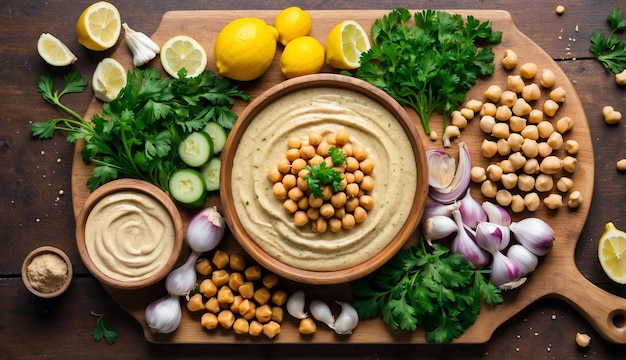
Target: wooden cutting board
(556, 276)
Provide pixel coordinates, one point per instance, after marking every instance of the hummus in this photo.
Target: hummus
(129, 236)
(323, 110)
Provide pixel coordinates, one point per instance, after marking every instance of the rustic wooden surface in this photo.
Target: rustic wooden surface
(34, 213)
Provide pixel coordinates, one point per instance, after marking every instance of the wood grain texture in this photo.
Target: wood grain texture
(557, 275)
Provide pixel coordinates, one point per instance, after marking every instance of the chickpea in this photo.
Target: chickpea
(327, 192)
(508, 98)
(226, 319)
(500, 130)
(300, 218)
(366, 202)
(263, 313)
(532, 201)
(531, 92)
(521, 108)
(294, 142)
(621, 165)
(367, 166)
(458, 119)
(279, 297)
(531, 166)
(545, 129)
(334, 224)
(503, 113)
(503, 147)
(569, 164)
(517, 203)
(488, 148)
(307, 326)
(494, 172)
(323, 148)
(493, 93)
(503, 197)
(360, 152)
(530, 148)
(486, 123)
(489, 189)
(212, 305)
(548, 79)
(235, 280)
(517, 160)
(348, 149)
(261, 296)
(551, 165)
(474, 105)
(292, 154)
(528, 70)
(295, 194)
(515, 141)
(203, 266)
(316, 160)
(611, 116)
(271, 329)
(544, 149)
(273, 175)
(241, 326)
(507, 166)
(564, 184)
(620, 79)
(544, 182)
(237, 262)
(284, 166)
(488, 109)
(220, 259)
(279, 191)
(550, 107)
(572, 147)
(342, 136)
(517, 123)
(478, 174)
(360, 214)
(320, 225)
(367, 184)
(509, 180)
(525, 182)
(327, 210)
(252, 273)
(315, 138)
(348, 221)
(209, 321)
(289, 181)
(352, 189)
(535, 116)
(515, 83)
(555, 140)
(208, 288)
(558, 94)
(303, 204)
(467, 113)
(331, 140)
(234, 306)
(246, 290)
(358, 176)
(255, 329)
(225, 295)
(575, 199)
(553, 201)
(509, 61)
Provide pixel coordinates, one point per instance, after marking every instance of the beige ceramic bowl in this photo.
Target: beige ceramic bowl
(226, 182)
(132, 185)
(46, 250)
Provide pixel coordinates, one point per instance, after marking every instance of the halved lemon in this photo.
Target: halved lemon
(108, 79)
(183, 51)
(345, 44)
(99, 26)
(612, 253)
(53, 51)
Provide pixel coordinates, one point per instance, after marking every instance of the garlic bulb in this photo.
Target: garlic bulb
(347, 320)
(163, 315)
(205, 230)
(295, 305)
(321, 312)
(143, 48)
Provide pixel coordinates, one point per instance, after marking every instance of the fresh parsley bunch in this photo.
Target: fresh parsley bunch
(430, 64)
(610, 51)
(137, 135)
(438, 290)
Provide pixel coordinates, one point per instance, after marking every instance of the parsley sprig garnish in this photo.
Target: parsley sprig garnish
(438, 290)
(137, 135)
(431, 64)
(610, 51)
(322, 174)
(103, 330)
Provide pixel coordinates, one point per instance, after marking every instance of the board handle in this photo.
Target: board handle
(604, 311)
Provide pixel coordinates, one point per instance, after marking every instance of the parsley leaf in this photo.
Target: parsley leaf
(610, 51)
(438, 290)
(336, 155)
(428, 66)
(321, 174)
(103, 330)
(137, 135)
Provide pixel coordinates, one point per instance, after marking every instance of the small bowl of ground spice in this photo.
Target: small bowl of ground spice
(47, 272)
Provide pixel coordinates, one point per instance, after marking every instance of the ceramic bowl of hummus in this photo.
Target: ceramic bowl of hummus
(324, 106)
(129, 234)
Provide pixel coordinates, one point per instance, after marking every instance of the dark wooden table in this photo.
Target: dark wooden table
(35, 173)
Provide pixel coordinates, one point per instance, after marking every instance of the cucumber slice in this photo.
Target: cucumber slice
(211, 174)
(196, 149)
(218, 136)
(188, 188)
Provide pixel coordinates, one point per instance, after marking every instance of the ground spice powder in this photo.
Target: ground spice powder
(47, 272)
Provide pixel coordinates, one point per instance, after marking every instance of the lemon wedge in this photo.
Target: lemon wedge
(345, 44)
(612, 253)
(183, 51)
(53, 51)
(108, 79)
(99, 26)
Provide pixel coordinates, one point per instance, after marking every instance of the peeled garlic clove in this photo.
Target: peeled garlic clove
(321, 312)
(347, 320)
(295, 305)
(163, 315)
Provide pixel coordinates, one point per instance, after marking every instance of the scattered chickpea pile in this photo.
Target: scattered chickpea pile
(237, 297)
(526, 134)
(335, 210)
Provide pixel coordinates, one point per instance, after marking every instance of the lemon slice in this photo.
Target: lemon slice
(345, 44)
(612, 253)
(99, 26)
(108, 79)
(183, 51)
(53, 51)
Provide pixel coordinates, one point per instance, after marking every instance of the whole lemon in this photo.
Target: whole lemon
(302, 56)
(244, 49)
(292, 22)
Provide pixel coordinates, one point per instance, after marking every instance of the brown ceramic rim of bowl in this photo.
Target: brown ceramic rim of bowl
(47, 250)
(138, 186)
(248, 115)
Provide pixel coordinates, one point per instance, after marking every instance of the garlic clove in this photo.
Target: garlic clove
(182, 280)
(534, 234)
(434, 208)
(295, 305)
(163, 315)
(463, 244)
(438, 227)
(496, 214)
(471, 211)
(503, 270)
(321, 312)
(526, 260)
(143, 48)
(347, 320)
(492, 237)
